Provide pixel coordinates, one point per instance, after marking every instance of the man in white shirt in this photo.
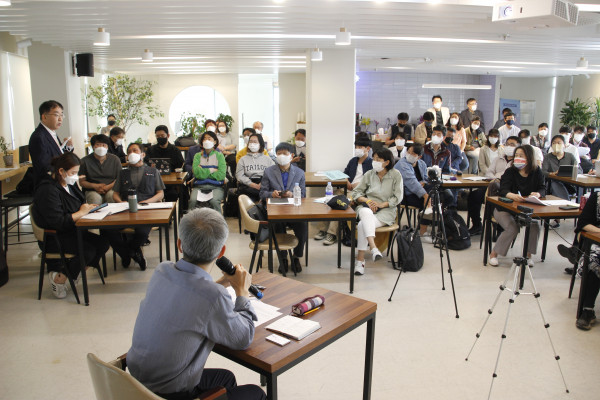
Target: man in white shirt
(525, 137)
(441, 114)
(565, 131)
(509, 128)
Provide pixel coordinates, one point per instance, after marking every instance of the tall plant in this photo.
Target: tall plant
(576, 112)
(129, 99)
(228, 119)
(595, 107)
(192, 124)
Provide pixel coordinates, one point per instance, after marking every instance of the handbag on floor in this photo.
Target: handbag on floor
(410, 250)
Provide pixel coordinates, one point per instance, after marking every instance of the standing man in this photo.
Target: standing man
(99, 171)
(467, 115)
(441, 114)
(112, 121)
(44, 144)
(509, 128)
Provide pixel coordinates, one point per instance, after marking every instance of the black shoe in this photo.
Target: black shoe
(475, 230)
(147, 242)
(138, 257)
(586, 320)
(126, 262)
(570, 253)
(569, 270)
(296, 265)
(555, 225)
(284, 266)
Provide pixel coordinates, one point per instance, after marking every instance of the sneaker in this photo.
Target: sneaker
(138, 257)
(59, 290)
(321, 235)
(586, 320)
(376, 254)
(359, 268)
(493, 261)
(475, 230)
(570, 253)
(530, 263)
(555, 225)
(330, 239)
(428, 211)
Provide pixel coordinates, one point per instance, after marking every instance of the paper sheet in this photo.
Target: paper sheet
(535, 200)
(321, 200)
(264, 312)
(475, 178)
(111, 208)
(156, 206)
(284, 201)
(583, 151)
(204, 197)
(336, 175)
(560, 203)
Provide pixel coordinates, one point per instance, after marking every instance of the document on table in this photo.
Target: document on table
(535, 200)
(336, 175)
(321, 200)
(451, 181)
(476, 178)
(111, 208)
(155, 206)
(264, 312)
(294, 327)
(285, 200)
(561, 203)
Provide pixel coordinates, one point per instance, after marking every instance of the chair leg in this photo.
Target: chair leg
(292, 260)
(240, 223)
(390, 236)
(253, 256)
(105, 272)
(259, 265)
(5, 230)
(391, 249)
(42, 264)
(306, 250)
(160, 252)
(66, 269)
(101, 275)
(114, 259)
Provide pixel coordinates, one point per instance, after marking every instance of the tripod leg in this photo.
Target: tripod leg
(396, 284)
(491, 310)
(537, 295)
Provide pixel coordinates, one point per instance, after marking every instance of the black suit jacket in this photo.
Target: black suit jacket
(42, 149)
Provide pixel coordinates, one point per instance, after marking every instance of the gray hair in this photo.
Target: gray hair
(203, 233)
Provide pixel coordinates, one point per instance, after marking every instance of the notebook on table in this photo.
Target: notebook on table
(294, 327)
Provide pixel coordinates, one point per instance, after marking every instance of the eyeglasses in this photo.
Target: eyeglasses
(62, 115)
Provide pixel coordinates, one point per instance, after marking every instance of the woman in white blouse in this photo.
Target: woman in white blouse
(490, 151)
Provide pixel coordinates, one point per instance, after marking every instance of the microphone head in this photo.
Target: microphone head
(225, 265)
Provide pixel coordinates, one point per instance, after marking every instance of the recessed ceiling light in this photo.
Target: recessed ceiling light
(342, 38)
(102, 38)
(316, 55)
(582, 63)
(4, 3)
(147, 56)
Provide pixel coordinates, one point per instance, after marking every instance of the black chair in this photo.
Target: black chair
(10, 202)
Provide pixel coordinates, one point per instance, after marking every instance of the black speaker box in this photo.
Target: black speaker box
(84, 64)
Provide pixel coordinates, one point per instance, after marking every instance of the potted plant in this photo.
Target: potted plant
(192, 125)
(228, 119)
(8, 157)
(595, 107)
(576, 112)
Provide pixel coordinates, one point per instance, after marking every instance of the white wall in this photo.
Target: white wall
(292, 95)
(256, 102)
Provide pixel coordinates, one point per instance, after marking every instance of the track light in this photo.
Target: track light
(147, 56)
(316, 55)
(342, 38)
(582, 63)
(102, 38)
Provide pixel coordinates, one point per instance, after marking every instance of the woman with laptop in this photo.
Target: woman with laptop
(554, 160)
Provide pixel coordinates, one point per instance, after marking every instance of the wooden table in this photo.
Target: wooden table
(462, 183)
(310, 180)
(126, 219)
(174, 178)
(584, 182)
(545, 213)
(340, 315)
(22, 168)
(587, 240)
(309, 210)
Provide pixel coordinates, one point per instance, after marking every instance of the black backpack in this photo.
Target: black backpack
(410, 250)
(457, 232)
(231, 207)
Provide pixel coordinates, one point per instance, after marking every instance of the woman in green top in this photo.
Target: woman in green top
(209, 169)
(377, 195)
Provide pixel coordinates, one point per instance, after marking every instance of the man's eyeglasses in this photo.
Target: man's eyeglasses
(57, 115)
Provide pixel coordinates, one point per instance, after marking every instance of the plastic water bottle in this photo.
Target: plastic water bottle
(132, 199)
(329, 191)
(297, 194)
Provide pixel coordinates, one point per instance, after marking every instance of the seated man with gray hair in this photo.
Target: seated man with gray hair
(185, 313)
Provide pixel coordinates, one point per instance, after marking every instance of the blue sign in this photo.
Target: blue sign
(514, 105)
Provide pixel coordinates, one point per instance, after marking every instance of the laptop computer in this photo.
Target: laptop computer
(569, 171)
(163, 165)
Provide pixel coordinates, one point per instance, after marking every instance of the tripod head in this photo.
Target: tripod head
(524, 218)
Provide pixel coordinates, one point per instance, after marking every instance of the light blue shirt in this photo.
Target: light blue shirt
(182, 317)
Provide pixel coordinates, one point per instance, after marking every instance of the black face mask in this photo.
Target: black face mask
(591, 136)
(448, 140)
(401, 125)
(111, 123)
(162, 140)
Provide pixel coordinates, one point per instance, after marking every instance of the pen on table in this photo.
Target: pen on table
(313, 310)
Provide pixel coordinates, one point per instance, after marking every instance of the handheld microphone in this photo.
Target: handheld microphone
(226, 266)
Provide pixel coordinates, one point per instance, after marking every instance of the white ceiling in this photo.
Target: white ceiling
(266, 36)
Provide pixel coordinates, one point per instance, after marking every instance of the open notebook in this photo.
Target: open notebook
(294, 327)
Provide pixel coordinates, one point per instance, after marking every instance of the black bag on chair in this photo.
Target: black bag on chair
(259, 213)
(410, 250)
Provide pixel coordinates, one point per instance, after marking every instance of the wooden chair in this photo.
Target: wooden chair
(392, 230)
(412, 214)
(112, 382)
(43, 235)
(281, 241)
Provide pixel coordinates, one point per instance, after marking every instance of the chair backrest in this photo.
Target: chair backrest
(37, 231)
(112, 383)
(250, 224)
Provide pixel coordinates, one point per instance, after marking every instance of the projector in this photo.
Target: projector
(537, 13)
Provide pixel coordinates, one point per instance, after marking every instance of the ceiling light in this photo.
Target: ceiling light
(316, 55)
(22, 44)
(102, 38)
(582, 63)
(342, 38)
(455, 86)
(4, 3)
(147, 56)
(588, 7)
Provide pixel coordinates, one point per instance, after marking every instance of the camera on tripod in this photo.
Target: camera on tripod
(434, 175)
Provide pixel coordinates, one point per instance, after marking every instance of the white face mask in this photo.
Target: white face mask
(493, 140)
(359, 152)
(253, 147)
(258, 131)
(300, 143)
(558, 148)
(543, 132)
(211, 128)
(208, 144)
(71, 179)
(473, 107)
(437, 106)
(578, 137)
(453, 121)
(100, 151)
(411, 158)
(509, 151)
(222, 129)
(283, 159)
(134, 158)
(436, 139)
(525, 140)
(474, 127)
(400, 142)
(377, 166)
(246, 139)
(567, 138)
(120, 142)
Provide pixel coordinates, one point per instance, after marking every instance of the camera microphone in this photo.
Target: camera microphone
(226, 266)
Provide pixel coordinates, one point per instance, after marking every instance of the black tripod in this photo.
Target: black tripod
(518, 270)
(438, 234)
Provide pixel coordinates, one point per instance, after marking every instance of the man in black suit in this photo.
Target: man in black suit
(44, 144)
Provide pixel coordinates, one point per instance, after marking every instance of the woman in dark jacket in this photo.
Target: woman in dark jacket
(58, 204)
(523, 179)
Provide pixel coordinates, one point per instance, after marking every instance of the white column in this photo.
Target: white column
(330, 108)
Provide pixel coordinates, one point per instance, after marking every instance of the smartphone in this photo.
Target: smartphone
(566, 207)
(505, 200)
(98, 207)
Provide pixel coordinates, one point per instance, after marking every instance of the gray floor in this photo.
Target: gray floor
(420, 346)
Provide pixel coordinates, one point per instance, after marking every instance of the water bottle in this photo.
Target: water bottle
(297, 194)
(329, 191)
(132, 199)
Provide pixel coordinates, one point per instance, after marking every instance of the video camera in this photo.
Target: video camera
(434, 175)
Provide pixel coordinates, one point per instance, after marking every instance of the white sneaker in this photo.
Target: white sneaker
(428, 211)
(530, 263)
(376, 254)
(493, 261)
(359, 268)
(59, 290)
